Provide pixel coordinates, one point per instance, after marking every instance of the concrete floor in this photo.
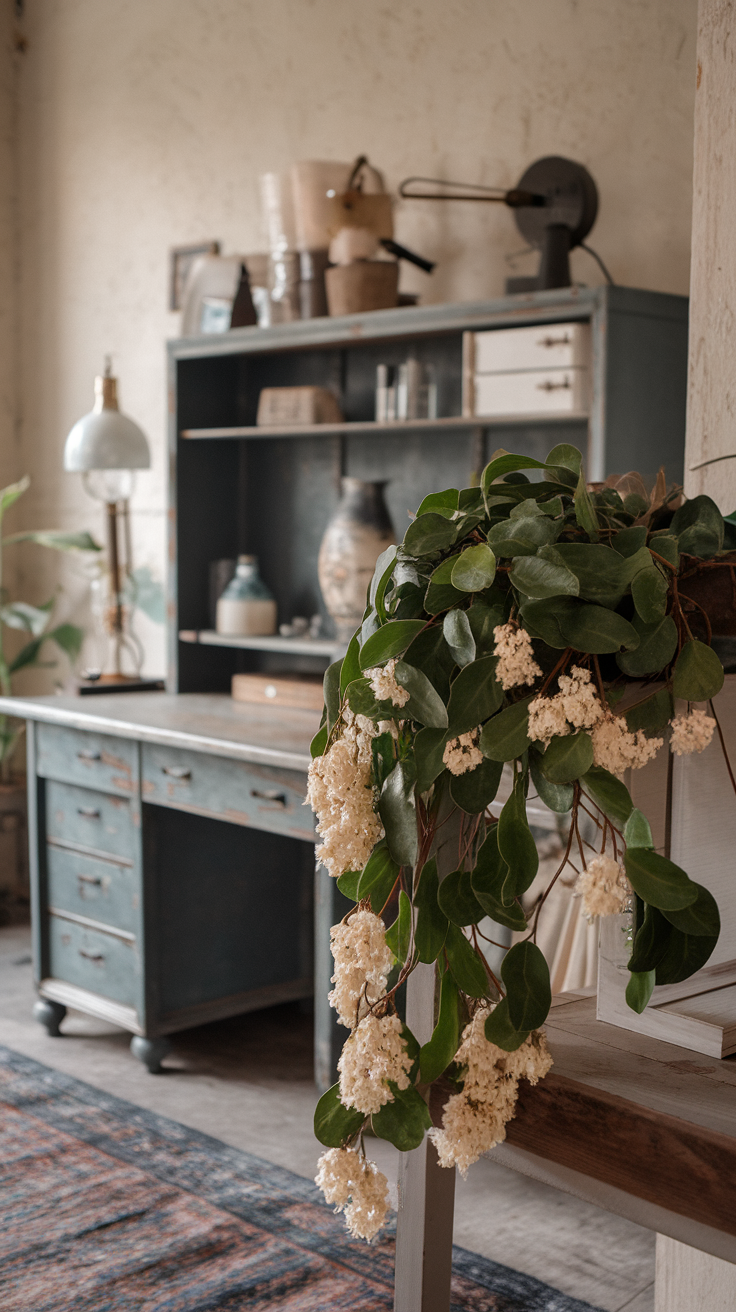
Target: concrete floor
(248, 1081)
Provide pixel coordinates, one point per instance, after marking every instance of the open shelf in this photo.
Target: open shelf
(326, 647)
(394, 426)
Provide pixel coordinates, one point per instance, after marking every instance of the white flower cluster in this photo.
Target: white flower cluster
(578, 706)
(604, 888)
(362, 962)
(691, 733)
(357, 1188)
(384, 685)
(474, 1121)
(463, 754)
(340, 793)
(516, 663)
(374, 1054)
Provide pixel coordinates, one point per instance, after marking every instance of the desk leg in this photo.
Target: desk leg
(330, 905)
(426, 1192)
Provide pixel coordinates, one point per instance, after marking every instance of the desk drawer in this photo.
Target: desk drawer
(82, 817)
(100, 890)
(259, 796)
(545, 346)
(103, 963)
(92, 759)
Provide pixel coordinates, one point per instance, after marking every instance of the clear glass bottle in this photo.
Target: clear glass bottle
(246, 608)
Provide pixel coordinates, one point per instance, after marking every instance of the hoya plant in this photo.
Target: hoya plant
(34, 622)
(528, 638)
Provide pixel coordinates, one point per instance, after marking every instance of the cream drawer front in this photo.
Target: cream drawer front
(550, 346)
(99, 890)
(103, 963)
(93, 760)
(270, 799)
(84, 818)
(559, 391)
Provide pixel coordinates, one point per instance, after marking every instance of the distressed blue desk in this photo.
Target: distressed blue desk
(172, 863)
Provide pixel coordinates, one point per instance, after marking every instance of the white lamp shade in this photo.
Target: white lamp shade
(105, 439)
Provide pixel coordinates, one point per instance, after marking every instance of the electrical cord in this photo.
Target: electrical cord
(599, 262)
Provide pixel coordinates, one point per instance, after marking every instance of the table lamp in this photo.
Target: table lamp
(106, 448)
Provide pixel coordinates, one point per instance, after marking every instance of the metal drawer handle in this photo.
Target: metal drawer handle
(555, 341)
(176, 771)
(89, 756)
(549, 386)
(89, 812)
(269, 795)
(90, 879)
(91, 956)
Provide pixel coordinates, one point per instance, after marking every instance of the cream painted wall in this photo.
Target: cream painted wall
(8, 248)
(145, 123)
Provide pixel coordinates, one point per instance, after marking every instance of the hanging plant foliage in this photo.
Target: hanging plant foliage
(501, 636)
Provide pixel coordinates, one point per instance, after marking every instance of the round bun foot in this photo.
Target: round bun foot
(50, 1015)
(150, 1051)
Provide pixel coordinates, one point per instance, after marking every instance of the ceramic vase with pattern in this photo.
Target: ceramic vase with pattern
(358, 532)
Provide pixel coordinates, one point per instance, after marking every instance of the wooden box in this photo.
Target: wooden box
(297, 405)
(303, 692)
(700, 836)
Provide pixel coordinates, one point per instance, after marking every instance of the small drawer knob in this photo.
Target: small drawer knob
(91, 956)
(89, 812)
(90, 879)
(89, 755)
(269, 795)
(176, 771)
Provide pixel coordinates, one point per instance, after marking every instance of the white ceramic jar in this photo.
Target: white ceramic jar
(246, 608)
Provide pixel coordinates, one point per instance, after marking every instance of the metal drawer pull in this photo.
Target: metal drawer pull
(555, 341)
(176, 771)
(549, 386)
(91, 956)
(90, 879)
(269, 795)
(89, 756)
(89, 812)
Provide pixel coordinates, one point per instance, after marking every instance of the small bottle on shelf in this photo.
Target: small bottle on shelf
(246, 608)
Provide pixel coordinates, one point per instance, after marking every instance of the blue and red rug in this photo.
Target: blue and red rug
(105, 1207)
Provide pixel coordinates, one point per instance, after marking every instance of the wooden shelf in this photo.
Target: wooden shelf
(371, 426)
(324, 647)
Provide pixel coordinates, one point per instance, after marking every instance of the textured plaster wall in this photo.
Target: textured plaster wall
(145, 123)
(9, 398)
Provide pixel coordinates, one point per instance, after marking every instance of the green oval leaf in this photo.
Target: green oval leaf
(652, 714)
(596, 630)
(476, 789)
(639, 990)
(391, 640)
(443, 502)
(657, 646)
(537, 577)
(558, 797)
(649, 591)
(490, 871)
(475, 694)
(458, 636)
(319, 742)
(474, 569)
(440, 594)
(516, 845)
(425, 704)
(397, 809)
(467, 969)
(378, 878)
(566, 759)
(435, 1056)
(483, 619)
(658, 881)
(525, 973)
(334, 1124)
(505, 737)
(698, 527)
(398, 935)
(637, 832)
(608, 793)
(381, 575)
(521, 537)
(351, 664)
(403, 1121)
(331, 692)
(457, 900)
(650, 941)
(700, 919)
(429, 533)
(429, 746)
(348, 883)
(684, 954)
(698, 673)
(430, 930)
(499, 1030)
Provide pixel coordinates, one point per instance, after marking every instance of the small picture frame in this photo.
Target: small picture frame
(181, 259)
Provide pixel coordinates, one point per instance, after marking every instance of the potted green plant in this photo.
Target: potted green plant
(36, 623)
(536, 626)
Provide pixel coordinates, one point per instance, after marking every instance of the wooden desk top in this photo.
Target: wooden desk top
(201, 722)
(652, 1120)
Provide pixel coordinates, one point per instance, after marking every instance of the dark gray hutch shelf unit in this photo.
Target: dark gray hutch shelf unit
(235, 487)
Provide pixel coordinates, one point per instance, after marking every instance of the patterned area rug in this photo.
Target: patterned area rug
(105, 1207)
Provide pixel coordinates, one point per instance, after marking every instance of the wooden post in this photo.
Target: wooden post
(426, 1192)
(330, 905)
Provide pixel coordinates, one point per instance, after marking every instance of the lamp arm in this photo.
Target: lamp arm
(515, 198)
